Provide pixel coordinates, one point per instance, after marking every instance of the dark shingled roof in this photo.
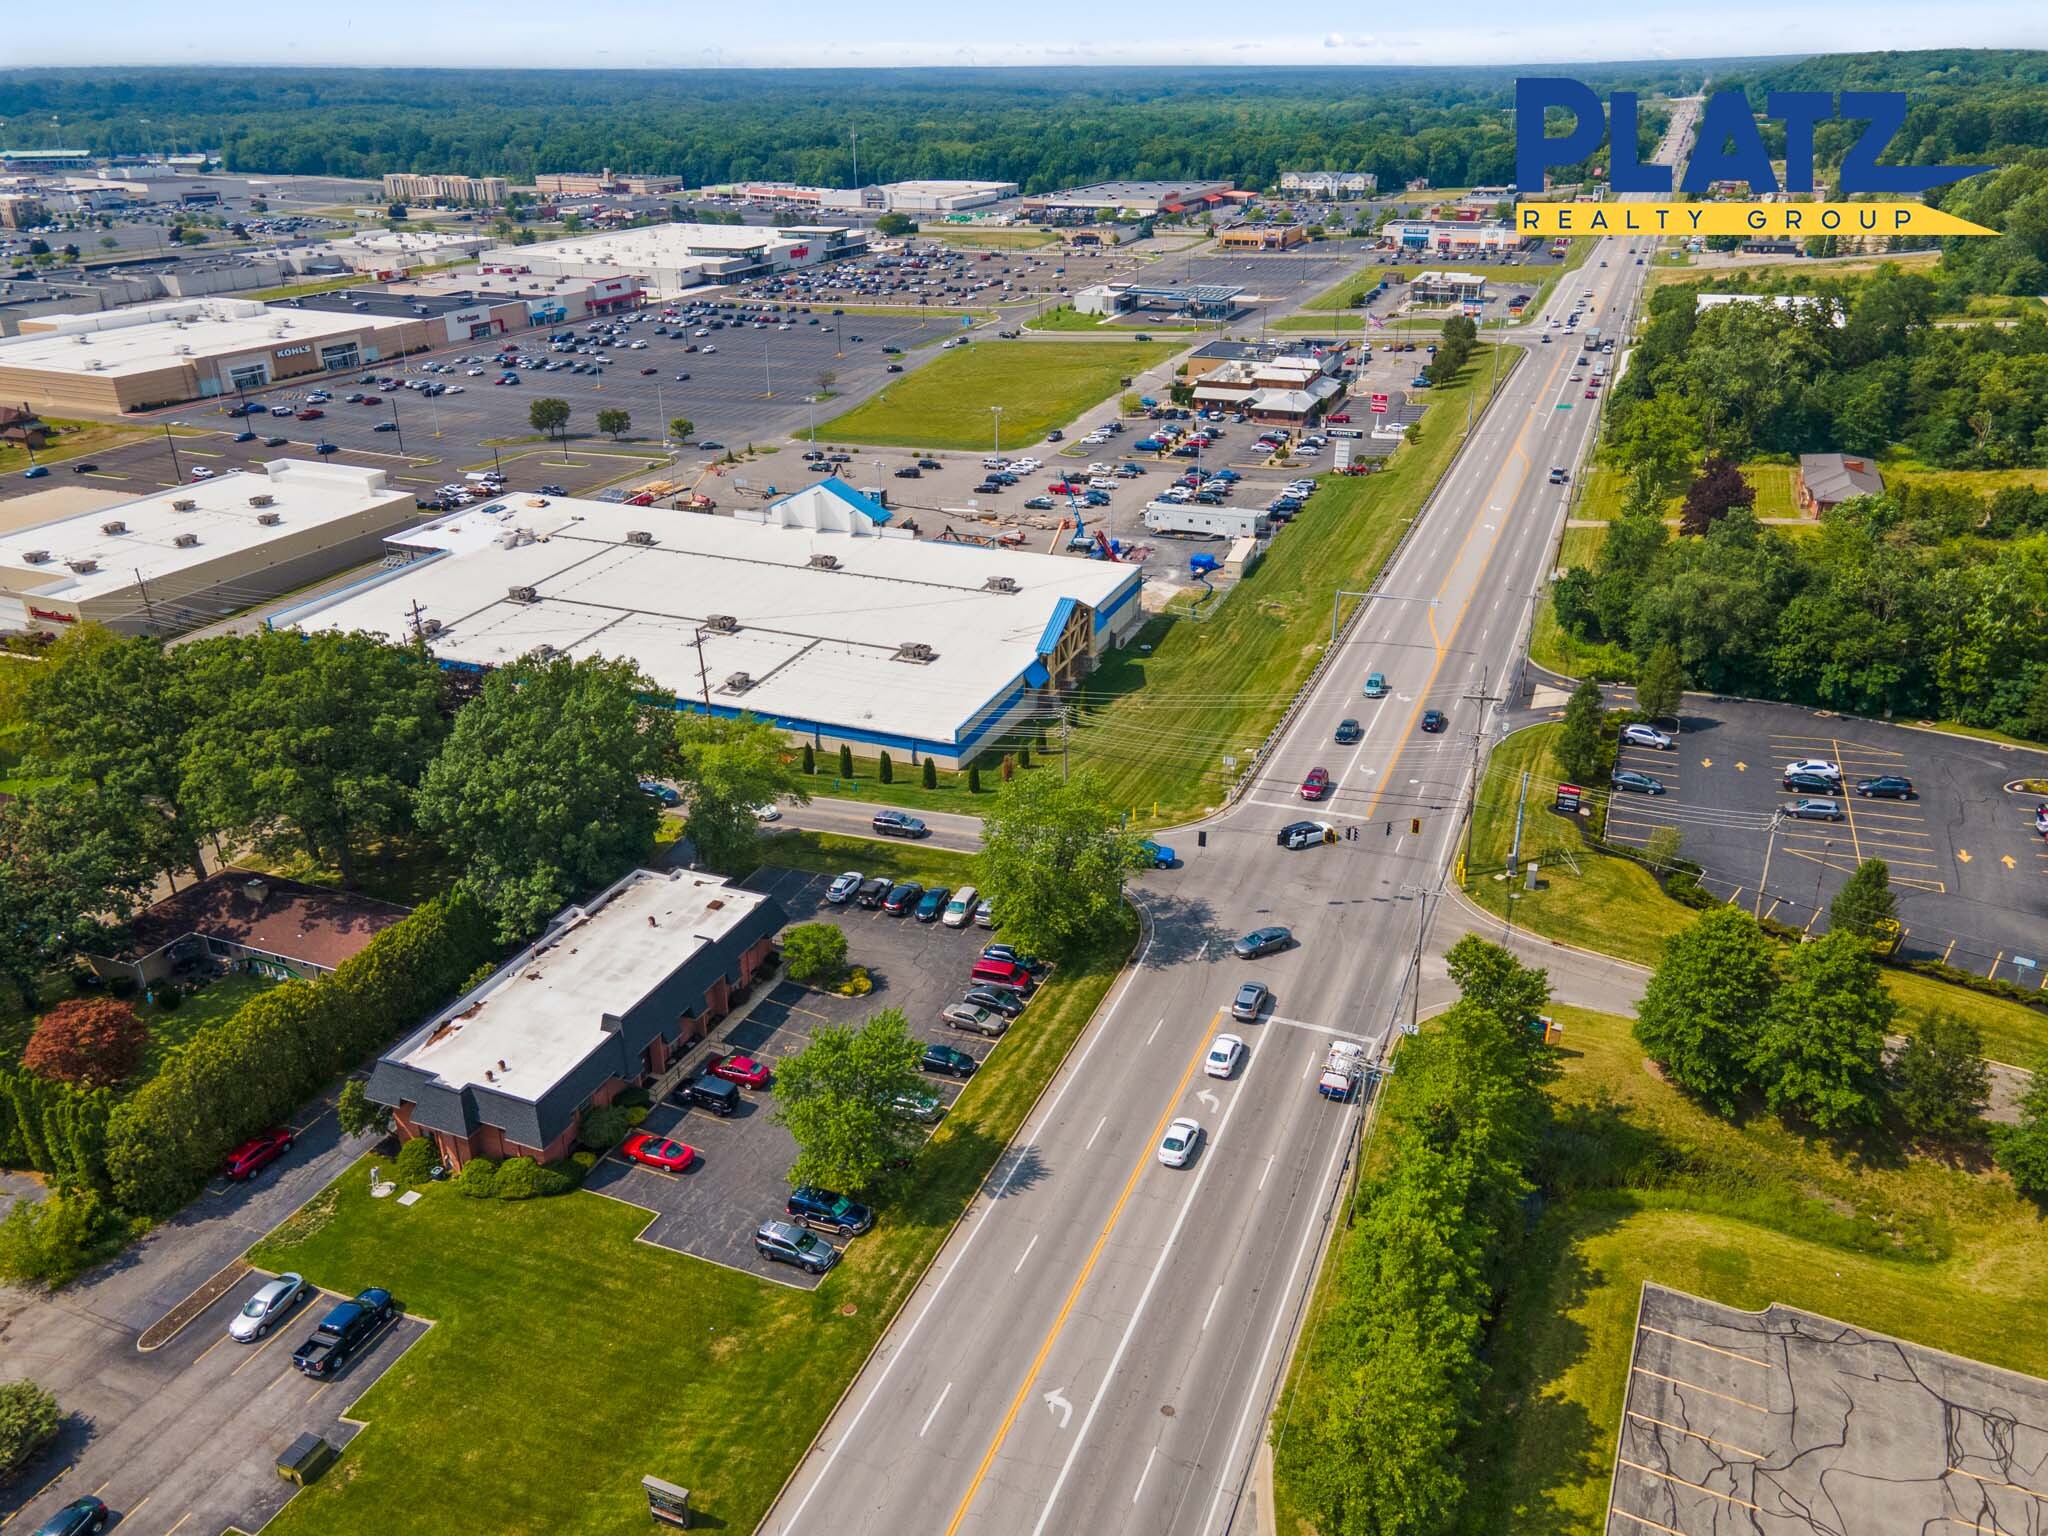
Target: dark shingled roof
(307, 923)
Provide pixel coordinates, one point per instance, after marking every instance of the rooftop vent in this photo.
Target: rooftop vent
(116, 526)
(262, 500)
(639, 536)
(186, 540)
(1001, 584)
(739, 682)
(722, 624)
(85, 565)
(431, 627)
(257, 890)
(543, 652)
(35, 557)
(184, 504)
(523, 595)
(824, 562)
(269, 519)
(912, 650)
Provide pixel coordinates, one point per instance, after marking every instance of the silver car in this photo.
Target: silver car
(980, 1021)
(271, 1302)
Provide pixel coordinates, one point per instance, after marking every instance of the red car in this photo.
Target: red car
(1592, 394)
(1342, 416)
(1063, 488)
(373, 400)
(658, 1151)
(311, 413)
(744, 1070)
(1317, 785)
(258, 1153)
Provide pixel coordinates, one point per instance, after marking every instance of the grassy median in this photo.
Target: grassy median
(566, 1359)
(948, 402)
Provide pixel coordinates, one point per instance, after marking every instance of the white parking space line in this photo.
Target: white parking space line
(1026, 1253)
(927, 1424)
(1149, 1458)
(1095, 1133)
(1210, 1315)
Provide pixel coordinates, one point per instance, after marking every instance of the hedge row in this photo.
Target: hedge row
(55, 1129)
(280, 1049)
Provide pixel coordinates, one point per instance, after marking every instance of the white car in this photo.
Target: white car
(202, 473)
(1225, 1052)
(1645, 736)
(842, 889)
(769, 812)
(1819, 765)
(1179, 1143)
(272, 1301)
(474, 373)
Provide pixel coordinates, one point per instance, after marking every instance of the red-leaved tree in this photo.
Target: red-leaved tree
(88, 1041)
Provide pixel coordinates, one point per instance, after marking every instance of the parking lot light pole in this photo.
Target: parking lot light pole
(170, 442)
(997, 411)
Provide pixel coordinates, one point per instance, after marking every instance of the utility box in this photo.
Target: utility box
(668, 1504)
(305, 1459)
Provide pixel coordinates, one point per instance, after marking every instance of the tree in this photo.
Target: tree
(1820, 1053)
(727, 770)
(974, 778)
(89, 1042)
(809, 764)
(1654, 443)
(2022, 1149)
(837, 1097)
(549, 415)
(1489, 976)
(845, 761)
(1660, 686)
(895, 225)
(357, 1113)
(29, 1420)
(1704, 1006)
(538, 790)
(1864, 901)
(1662, 851)
(885, 767)
(614, 422)
(814, 951)
(1054, 856)
(1578, 743)
(66, 860)
(1717, 488)
(1940, 1084)
(308, 742)
(681, 429)
(930, 775)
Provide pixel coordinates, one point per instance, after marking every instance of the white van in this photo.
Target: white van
(960, 910)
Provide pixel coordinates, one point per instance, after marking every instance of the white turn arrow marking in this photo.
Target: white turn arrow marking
(1056, 1400)
(1209, 1099)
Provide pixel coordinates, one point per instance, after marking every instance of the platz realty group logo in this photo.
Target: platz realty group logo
(1727, 147)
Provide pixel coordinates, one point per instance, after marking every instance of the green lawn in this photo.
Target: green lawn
(1156, 725)
(1978, 482)
(168, 1032)
(946, 404)
(1064, 318)
(1580, 547)
(1602, 491)
(1745, 1214)
(567, 1359)
(71, 440)
(827, 853)
(316, 285)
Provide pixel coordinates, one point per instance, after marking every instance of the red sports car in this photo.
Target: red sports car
(1317, 785)
(258, 1153)
(744, 1070)
(659, 1152)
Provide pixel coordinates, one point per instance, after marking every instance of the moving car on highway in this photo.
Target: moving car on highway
(1179, 1143)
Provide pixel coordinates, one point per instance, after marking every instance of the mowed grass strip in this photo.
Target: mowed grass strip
(947, 403)
(1156, 726)
(1605, 490)
(566, 1359)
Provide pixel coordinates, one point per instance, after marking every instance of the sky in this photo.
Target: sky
(623, 34)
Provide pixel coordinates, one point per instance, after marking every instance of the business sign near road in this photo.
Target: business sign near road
(1378, 403)
(1727, 147)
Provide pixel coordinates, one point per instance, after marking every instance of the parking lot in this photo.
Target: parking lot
(1970, 874)
(199, 1454)
(712, 1209)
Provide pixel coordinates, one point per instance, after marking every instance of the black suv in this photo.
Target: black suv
(902, 900)
(829, 1209)
(899, 824)
(708, 1092)
(874, 892)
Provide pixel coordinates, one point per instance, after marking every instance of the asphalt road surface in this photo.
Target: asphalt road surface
(1098, 1346)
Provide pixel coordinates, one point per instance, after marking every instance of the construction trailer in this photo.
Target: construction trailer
(1189, 520)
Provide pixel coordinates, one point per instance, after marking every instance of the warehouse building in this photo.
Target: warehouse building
(1144, 198)
(192, 554)
(190, 349)
(673, 258)
(614, 991)
(819, 616)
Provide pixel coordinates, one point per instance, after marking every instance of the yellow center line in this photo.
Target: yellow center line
(1080, 1280)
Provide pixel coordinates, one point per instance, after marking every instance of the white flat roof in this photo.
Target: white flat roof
(657, 245)
(545, 1013)
(144, 340)
(948, 188)
(818, 644)
(304, 494)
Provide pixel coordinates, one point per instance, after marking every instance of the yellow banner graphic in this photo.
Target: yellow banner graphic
(1785, 220)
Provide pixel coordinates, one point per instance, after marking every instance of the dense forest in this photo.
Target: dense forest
(1040, 128)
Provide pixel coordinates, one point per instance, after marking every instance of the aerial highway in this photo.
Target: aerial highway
(1100, 1344)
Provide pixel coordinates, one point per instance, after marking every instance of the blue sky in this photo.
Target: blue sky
(622, 34)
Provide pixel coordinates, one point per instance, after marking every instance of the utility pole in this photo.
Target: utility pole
(1482, 698)
(997, 411)
(401, 430)
(703, 676)
(177, 470)
(1521, 806)
(149, 613)
(1065, 717)
(1420, 895)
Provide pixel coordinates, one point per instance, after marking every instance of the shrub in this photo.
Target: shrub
(931, 774)
(168, 995)
(845, 761)
(478, 1179)
(518, 1178)
(49, 1241)
(974, 779)
(89, 1042)
(55, 1129)
(29, 1420)
(1009, 767)
(810, 759)
(417, 1161)
(636, 1115)
(553, 1181)
(814, 951)
(856, 983)
(634, 1097)
(1024, 755)
(122, 986)
(885, 769)
(582, 1161)
(603, 1128)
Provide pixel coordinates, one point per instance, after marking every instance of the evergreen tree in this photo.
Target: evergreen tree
(845, 761)
(1661, 684)
(1864, 901)
(1578, 745)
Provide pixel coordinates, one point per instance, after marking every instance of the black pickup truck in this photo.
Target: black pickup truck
(342, 1332)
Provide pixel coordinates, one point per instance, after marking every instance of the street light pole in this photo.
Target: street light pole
(997, 411)
(401, 430)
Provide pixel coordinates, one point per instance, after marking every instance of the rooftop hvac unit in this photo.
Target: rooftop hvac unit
(186, 540)
(912, 650)
(116, 526)
(639, 536)
(522, 595)
(184, 504)
(542, 652)
(722, 624)
(263, 500)
(85, 565)
(739, 682)
(269, 519)
(35, 557)
(431, 627)
(1001, 584)
(824, 562)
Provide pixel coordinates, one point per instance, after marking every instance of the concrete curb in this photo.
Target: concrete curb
(173, 1322)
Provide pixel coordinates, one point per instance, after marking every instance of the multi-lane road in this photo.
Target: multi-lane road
(1098, 1347)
